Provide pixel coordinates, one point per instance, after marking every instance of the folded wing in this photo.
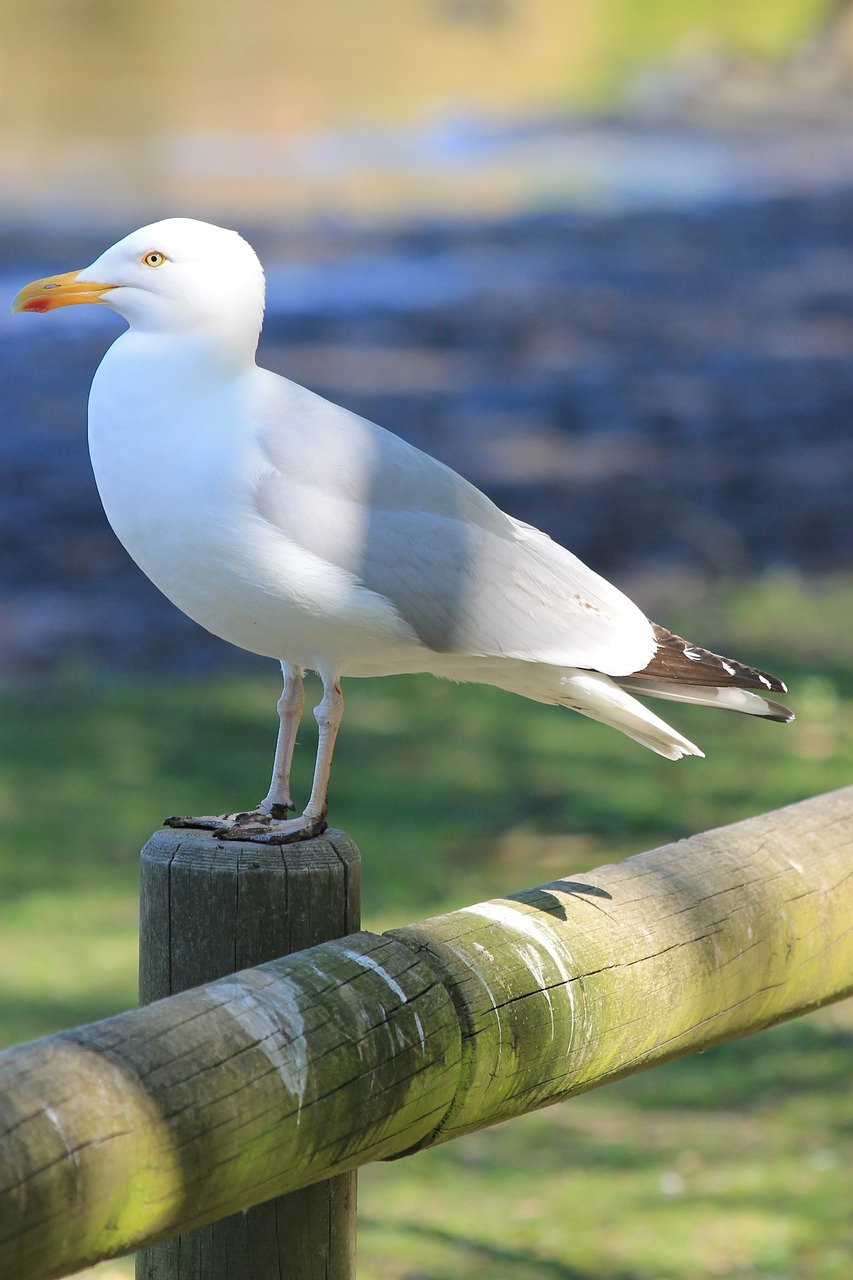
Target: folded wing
(464, 576)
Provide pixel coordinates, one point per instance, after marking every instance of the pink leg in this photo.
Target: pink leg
(277, 801)
(328, 716)
(264, 825)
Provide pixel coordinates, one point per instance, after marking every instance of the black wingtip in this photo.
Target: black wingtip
(679, 661)
(782, 715)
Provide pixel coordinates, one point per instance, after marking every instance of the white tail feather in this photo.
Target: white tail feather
(598, 697)
(730, 698)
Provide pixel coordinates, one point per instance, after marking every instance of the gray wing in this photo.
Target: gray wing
(465, 577)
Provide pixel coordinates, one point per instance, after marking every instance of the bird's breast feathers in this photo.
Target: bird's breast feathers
(183, 491)
(268, 515)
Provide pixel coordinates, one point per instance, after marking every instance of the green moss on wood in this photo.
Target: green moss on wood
(221, 1097)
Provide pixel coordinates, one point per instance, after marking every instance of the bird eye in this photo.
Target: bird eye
(154, 259)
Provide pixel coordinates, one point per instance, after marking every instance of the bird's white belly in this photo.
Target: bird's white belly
(182, 507)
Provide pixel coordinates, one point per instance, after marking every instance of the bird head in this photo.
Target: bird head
(174, 276)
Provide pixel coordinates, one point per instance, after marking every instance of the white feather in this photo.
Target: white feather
(296, 529)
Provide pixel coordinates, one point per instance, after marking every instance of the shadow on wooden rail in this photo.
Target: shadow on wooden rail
(144, 1125)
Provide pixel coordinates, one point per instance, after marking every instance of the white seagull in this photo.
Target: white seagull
(295, 529)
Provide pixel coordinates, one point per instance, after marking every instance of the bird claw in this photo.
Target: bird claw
(204, 823)
(261, 828)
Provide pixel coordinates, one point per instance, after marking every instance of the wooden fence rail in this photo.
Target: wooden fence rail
(135, 1128)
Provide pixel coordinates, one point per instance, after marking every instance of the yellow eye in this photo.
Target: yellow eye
(154, 259)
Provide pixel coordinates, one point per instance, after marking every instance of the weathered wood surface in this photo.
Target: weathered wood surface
(163, 1118)
(209, 908)
(159, 1120)
(562, 988)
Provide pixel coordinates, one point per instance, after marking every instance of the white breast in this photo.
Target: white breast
(177, 466)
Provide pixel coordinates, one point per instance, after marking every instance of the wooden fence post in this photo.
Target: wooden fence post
(209, 908)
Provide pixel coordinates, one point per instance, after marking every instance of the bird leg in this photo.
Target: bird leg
(263, 829)
(263, 826)
(277, 801)
(328, 715)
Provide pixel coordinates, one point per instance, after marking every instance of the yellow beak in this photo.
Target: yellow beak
(59, 291)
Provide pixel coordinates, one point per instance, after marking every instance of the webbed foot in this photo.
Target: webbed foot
(262, 828)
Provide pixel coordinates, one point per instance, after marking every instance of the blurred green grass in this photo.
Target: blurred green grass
(733, 1163)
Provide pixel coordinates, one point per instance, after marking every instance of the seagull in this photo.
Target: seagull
(298, 530)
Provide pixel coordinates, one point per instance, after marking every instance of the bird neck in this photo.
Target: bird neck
(213, 354)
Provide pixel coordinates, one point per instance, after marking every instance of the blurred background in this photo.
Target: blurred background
(599, 257)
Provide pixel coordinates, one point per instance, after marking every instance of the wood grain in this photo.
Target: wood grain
(209, 908)
(564, 987)
(215, 1099)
